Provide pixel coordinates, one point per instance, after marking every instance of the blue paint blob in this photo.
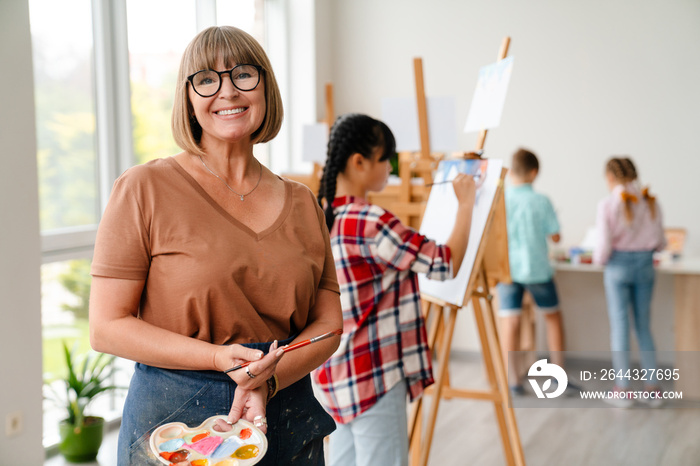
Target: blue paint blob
(171, 445)
(227, 448)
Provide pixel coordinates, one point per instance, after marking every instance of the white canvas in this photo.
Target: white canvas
(440, 214)
(401, 115)
(489, 96)
(314, 142)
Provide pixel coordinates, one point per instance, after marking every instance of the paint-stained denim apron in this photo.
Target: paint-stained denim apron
(297, 423)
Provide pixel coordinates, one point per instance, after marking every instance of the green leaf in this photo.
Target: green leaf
(87, 376)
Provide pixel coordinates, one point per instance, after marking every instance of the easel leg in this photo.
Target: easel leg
(494, 380)
(436, 337)
(415, 438)
(414, 422)
(440, 337)
(501, 378)
(415, 419)
(443, 360)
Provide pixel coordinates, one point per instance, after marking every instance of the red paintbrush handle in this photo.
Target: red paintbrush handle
(293, 347)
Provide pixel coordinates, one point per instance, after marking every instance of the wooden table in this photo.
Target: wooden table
(685, 277)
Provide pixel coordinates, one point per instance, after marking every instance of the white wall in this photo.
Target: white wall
(591, 80)
(20, 345)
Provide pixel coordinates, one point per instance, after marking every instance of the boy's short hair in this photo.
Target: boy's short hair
(524, 162)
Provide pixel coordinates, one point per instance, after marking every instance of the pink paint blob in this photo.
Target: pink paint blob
(206, 445)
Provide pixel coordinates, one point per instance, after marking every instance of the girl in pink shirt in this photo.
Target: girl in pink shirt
(630, 229)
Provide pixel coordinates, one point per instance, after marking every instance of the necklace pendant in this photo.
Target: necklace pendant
(241, 197)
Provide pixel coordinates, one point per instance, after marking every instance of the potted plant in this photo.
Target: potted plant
(88, 376)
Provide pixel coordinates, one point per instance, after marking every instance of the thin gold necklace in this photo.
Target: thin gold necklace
(242, 196)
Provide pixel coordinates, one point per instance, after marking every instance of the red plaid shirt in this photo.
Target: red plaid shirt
(384, 340)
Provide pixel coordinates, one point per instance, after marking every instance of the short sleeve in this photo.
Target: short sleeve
(329, 278)
(122, 246)
(403, 248)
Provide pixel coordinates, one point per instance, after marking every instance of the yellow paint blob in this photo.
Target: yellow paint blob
(202, 462)
(246, 452)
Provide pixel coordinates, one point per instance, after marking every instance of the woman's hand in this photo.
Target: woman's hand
(258, 371)
(249, 405)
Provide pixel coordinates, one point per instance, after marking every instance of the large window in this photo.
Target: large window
(67, 169)
(65, 113)
(95, 118)
(153, 63)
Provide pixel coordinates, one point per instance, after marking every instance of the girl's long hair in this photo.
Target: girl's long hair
(624, 171)
(352, 133)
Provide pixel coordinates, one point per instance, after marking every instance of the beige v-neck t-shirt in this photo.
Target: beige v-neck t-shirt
(207, 275)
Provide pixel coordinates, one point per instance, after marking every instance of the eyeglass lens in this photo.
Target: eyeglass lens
(244, 77)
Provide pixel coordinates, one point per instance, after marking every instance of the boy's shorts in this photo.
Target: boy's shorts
(510, 297)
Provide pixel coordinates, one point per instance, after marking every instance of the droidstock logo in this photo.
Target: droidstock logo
(542, 368)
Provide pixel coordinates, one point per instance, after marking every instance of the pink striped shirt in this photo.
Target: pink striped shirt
(616, 233)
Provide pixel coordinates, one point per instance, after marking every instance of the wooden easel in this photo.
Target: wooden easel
(490, 266)
(407, 200)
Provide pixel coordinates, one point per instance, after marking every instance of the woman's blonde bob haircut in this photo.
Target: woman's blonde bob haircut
(234, 47)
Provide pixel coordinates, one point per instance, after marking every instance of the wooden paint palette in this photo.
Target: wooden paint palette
(204, 445)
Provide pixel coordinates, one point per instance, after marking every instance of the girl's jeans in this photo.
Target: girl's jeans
(379, 436)
(629, 282)
(297, 423)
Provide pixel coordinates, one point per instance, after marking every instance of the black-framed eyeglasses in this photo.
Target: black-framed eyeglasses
(244, 77)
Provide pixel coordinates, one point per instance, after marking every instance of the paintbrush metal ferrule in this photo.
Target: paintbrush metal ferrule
(235, 368)
(322, 337)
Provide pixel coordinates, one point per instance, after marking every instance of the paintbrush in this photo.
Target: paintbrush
(293, 347)
(476, 179)
(439, 182)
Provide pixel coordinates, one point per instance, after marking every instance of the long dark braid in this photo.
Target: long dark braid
(352, 133)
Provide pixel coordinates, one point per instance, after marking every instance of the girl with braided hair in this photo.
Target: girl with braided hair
(630, 229)
(383, 354)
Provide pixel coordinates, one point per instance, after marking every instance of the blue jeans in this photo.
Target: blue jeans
(629, 283)
(379, 436)
(297, 423)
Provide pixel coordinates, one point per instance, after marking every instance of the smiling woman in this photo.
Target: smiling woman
(187, 252)
(222, 52)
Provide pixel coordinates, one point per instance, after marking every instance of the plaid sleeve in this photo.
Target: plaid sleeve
(403, 248)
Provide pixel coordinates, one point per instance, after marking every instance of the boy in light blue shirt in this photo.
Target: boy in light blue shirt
(531, 220)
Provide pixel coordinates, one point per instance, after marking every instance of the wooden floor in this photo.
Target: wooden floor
(466, 432)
